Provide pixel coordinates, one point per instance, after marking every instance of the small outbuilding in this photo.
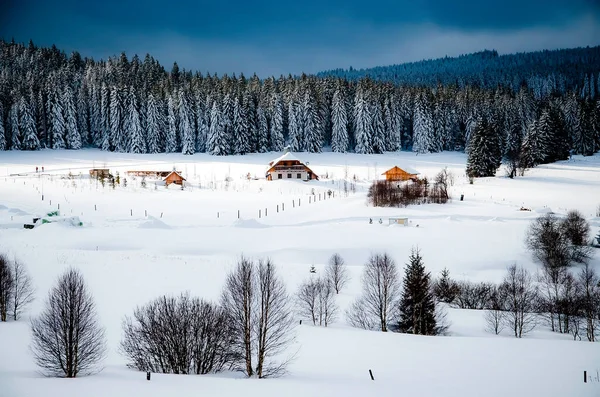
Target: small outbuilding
(174, 177)
(99, 173)
(400, 174)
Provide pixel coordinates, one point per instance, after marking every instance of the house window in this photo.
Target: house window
(298, 176)
(289, 176)
(279, 176)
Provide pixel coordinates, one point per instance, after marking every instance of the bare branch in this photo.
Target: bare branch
(23, 290)
(337, 273)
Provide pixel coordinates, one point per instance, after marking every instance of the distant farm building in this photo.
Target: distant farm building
(398, 221)
(174, 177)
(99, 173)
(289, 167)
(400, 174)
(150, 174)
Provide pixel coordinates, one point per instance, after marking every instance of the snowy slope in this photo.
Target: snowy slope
(130, 254)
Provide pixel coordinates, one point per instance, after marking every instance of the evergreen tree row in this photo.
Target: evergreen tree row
(51, 100)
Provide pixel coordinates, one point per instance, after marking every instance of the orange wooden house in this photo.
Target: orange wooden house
(175, 178)
(396, 174)
(289, 167)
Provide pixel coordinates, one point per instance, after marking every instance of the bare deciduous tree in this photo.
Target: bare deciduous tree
(443, 179)
(590, 291)
(238, 301)
(67, 339)
(554, 243)
(180, 335)
(307, 299)
(521, 295)
(6, 286)
(275, 321)
(380, 292)
(23, 290)
(259, 316)
(337, 273)
(496, 313)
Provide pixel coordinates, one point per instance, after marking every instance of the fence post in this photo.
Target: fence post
(283, 206)
(265, 212)
(277, 208)
(161, 214)
(217, 214)
(584, 376)
(131, 212)
(259, 213)
(238, 214)
(293, 203)
(371, 373)
(298, 202)
(145, 212)
(58, 205)
(95, 208)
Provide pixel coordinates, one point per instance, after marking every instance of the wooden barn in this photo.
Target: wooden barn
(289, 167)
(174, 177)
(400, 174)
(99, 173)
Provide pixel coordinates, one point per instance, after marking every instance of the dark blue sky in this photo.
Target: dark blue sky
(272, 38)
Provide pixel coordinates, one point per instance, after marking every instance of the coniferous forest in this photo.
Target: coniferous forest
(521, 110)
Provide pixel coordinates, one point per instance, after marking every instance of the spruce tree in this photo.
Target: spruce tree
(423, 129)
(137, 141)
(484, 149)
(313, 140)
(295, 137)
(83, 115)
(363, 126)
(116, 119)
(27, 126)
(104, 118)
(339, 119)
(2, 129)
(417, 305)
(202, 125)
(154, 125)
(263, 131)
(241, 131)
(217, 144)
(171, 141)
(57, 122)
(379, 133)
(186, 124)
(277, 140)
(95, 117)
(73, 136)
(15, 130)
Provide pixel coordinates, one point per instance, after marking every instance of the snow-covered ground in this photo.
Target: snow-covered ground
(138, 243)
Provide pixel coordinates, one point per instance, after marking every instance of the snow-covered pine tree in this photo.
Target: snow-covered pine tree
(27, 126)
(58, 128)
(295, 137)
(240, 129)
(116, 120)
(379, 132)
(15, 130)
(171, 138)
(553, 135)
(201, 124)
(227, 118)
(263, 131)
(217, 144)
(154, 124)
(249, 105)
(186, 124)
(95, 117)
(484, 151)
(104, 127)
(137, 141)
(363, 125)
(2, 129)
(423, 129)
(513, 142)
(83, 115)
(277, 140)
(313, 141)
(417, 305)
(397, 131)
(72, 131)
(339, 119)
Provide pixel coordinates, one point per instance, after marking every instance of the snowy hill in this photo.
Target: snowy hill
(137, 243)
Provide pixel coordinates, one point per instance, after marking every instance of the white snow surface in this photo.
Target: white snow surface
(138, 243)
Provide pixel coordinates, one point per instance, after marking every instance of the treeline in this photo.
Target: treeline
(51, 100)
(543, 71)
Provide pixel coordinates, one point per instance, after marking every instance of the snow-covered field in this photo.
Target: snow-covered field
(138, 243)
